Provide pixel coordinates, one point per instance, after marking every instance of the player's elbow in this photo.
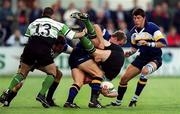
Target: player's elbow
(161, 43)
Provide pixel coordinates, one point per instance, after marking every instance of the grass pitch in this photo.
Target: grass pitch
(160, 96)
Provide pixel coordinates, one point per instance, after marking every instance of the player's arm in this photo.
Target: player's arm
(28, 32)
(157, 44)
(80, 34)
(159, 40)
(100, 39)
(130, 52)
(158, 37)
(68, 49)
(68, 33)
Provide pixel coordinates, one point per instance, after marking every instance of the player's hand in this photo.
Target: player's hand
(104, 91)
(142, 43)
(84, 31)
(101, 45)
(127, 54)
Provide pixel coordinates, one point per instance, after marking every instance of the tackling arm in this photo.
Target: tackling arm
(131, 52)
(99, 34)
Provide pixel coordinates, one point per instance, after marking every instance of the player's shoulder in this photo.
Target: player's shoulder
(151, 26)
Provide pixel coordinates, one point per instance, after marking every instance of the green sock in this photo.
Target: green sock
(16, 80)
(90, 28)
(46, 84)
(87, 44)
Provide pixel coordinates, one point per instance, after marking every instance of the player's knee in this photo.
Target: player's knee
(23, 72)
(148, 69)
(124, 80)
(145, 71)
(58, 75)
(53, 73)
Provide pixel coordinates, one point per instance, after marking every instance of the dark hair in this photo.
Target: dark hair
(138, 11)
(48, 12)
(60, 40)
(119, 35)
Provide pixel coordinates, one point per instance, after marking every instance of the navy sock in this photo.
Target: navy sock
(140, 85)
(95, 88)
(73, 91)
(121, 91)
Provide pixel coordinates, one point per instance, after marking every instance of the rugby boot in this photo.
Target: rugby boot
(71, 105)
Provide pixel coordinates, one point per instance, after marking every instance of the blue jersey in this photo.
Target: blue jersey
(106, 34)
(149, 33)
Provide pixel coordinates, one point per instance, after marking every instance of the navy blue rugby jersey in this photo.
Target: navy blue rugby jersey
(149, 33)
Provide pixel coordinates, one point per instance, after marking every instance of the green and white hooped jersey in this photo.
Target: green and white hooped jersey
(48, 28)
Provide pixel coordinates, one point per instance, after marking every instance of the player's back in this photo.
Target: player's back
(44, 29)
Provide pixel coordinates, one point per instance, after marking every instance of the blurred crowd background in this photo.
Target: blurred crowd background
(13, 24)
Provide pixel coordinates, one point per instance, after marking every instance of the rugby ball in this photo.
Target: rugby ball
(108, 85)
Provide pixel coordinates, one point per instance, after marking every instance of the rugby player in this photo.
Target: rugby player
(80, 62)
(41, 34)
(58, 47)
(147, 38)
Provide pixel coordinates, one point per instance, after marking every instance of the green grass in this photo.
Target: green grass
(161, 96)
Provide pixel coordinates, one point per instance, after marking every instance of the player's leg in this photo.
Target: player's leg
(84, 17)
(146, 70)
(91, 68)
(11, 92)
(53, 88)
(78, 77)
(130, 73)
(51, 74)
(87, 44)
(99, 55)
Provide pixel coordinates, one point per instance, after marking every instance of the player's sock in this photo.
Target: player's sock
(52, 90)
(134, 98)
(16, 79)
(73, 91)
(46, 84)
(87, 44)
(140, 85)
(90, 28)
(121, 91)
(95, 88)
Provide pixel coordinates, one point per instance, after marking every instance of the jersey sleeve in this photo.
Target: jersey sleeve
(27, 33)
(157, 34)
(68, 33)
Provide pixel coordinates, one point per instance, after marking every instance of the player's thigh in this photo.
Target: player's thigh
(130, 73)
(58, 73)
(101, 55)
(78, 76)
(91, 67)
(50, 69)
